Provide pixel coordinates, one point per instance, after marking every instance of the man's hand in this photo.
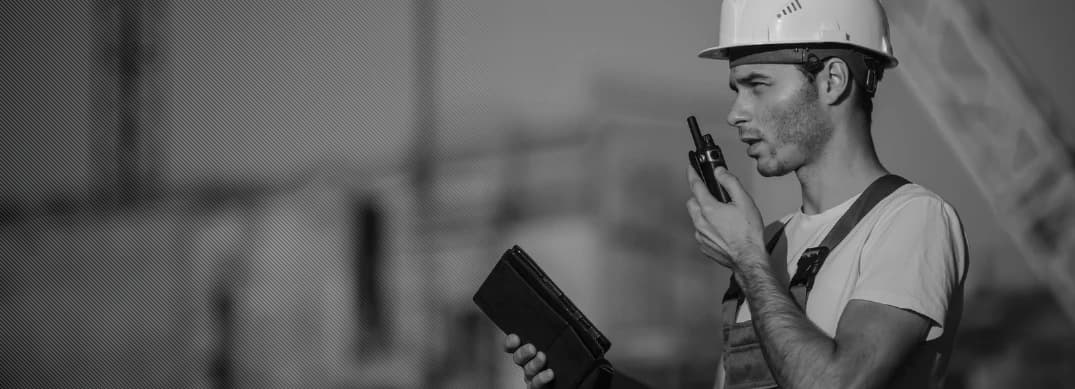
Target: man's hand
(531, 360)
(725, 232)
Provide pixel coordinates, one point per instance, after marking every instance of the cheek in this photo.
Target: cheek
(784, 136)
(795, 125)
(774, 125)
(763, 121)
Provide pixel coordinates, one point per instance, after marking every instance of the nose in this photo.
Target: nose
(739, 113)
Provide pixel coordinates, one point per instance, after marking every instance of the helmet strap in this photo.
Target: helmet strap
(865, 70)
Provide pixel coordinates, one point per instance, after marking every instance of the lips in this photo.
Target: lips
(753, 145)
(752, 150)
(749, 136)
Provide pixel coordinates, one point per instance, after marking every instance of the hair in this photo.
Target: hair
(859, 96)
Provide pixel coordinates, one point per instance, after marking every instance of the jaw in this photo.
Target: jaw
(773, 163)
(768, 171)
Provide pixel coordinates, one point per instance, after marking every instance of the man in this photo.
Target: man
(883, 303)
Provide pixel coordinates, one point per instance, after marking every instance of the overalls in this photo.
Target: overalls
(744, 365)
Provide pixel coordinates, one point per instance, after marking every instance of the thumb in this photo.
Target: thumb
(730, 183)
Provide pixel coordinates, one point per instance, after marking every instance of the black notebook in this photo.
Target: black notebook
(521, 299)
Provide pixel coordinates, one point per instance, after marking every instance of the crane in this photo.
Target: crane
(1003, 129)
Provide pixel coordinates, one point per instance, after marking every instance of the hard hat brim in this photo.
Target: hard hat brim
(721, 52)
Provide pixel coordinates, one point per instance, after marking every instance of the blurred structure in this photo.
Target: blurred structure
(1006, 132)
(306, 194)
(128, 99)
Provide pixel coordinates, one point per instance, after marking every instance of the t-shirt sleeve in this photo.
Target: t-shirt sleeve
(913, 260)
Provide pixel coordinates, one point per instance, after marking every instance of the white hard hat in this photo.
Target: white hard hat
(752, 23)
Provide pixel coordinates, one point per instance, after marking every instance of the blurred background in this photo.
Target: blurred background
(308, 193)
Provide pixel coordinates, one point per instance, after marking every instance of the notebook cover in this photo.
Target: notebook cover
(519, 298)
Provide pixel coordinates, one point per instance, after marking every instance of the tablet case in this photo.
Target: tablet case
(521, 299)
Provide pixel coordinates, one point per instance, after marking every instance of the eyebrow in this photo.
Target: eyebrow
(748, 78)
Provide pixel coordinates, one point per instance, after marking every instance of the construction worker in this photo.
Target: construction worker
(862, 286)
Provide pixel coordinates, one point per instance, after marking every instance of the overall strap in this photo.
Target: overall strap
(810, 262)
(812, 259)
(777, 247)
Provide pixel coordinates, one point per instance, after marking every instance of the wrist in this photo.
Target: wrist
(751, 258)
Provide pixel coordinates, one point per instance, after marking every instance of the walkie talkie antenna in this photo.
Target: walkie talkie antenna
(696, 133)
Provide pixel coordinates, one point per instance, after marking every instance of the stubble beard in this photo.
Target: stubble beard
(801, 129)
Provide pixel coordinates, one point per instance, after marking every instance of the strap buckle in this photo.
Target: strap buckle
(809, 265)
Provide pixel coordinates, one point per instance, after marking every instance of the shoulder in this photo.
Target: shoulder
(914, 254)
(916, 217)
(914, 201)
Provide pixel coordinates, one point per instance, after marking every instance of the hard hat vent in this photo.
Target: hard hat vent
(790, 8)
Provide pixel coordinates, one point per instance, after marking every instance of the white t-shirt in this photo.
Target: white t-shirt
(907, 252)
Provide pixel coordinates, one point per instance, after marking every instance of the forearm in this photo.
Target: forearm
(800, 355)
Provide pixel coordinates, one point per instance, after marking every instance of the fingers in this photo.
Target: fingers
(710, 248)
(523, 354)
(704, 241)
(730, 183)
(698, 188)
(541, 380)
(511, 342)
(697, 216)
(694, 210)
(535, 366)
(692, 175)
(532, 361)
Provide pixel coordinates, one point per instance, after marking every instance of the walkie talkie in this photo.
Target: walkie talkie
(705, 157)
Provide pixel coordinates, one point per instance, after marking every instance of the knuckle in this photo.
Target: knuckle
(534, 367)
(544, 378)
(699, 224)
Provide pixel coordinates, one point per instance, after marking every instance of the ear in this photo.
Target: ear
(835, 81)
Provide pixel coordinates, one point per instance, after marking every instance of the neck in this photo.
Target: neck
(843, 168)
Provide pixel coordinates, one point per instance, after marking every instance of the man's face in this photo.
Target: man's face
(779, 117)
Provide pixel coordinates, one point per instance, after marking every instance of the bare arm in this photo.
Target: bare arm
(872, 339)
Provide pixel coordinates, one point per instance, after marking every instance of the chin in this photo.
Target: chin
(771, 173)
(772, 169)
(767, 173)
